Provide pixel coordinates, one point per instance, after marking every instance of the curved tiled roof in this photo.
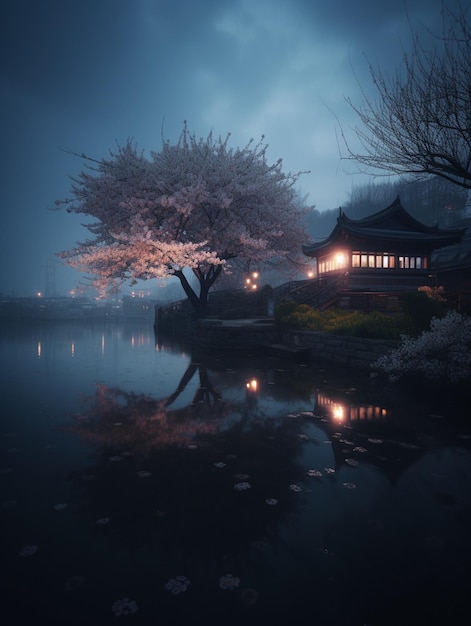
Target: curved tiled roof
(393, 224)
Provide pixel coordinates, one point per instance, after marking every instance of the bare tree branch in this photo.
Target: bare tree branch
(420, 123)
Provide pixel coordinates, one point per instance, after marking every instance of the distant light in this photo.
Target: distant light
(254, 286)
(310, 274)
(39, 294)
(252, 385)
(255, 275)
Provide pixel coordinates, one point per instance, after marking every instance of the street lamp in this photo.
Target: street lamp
(252, 385)
(251, 281)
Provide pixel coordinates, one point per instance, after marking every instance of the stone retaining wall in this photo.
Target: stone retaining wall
(243, 335)
(232, 336)
(356, 352)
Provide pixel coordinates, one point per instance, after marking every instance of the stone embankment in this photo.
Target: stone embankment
(234, 335)
(351, 352)
(264, 335)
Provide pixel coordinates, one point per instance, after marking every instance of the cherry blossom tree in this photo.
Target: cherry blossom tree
(198, 205)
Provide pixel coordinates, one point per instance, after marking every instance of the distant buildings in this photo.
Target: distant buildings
(80, 308)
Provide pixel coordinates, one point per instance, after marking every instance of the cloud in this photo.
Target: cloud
(83, 75)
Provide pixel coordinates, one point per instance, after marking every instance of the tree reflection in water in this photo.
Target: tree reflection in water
(176, 476)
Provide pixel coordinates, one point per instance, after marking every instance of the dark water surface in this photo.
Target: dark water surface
(141, 484)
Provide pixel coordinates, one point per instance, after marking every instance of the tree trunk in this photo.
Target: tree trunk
(206, 281)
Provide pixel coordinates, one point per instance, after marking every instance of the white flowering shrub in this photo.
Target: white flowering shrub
(441, 353)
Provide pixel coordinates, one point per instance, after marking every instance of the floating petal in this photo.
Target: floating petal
(88, 477)
(249, 597)
(124, 607)
(352, 462)
(177, 585)
(242, 486)
(74, 582)
(9, 504)
(28, 550)
(144, 474)
(229, 582)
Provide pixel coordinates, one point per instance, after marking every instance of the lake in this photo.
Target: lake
(146, 484)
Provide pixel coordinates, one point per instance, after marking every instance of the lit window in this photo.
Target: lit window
(339, 259)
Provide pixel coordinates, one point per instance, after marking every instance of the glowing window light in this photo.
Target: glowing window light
(338, 412)
(340, 259)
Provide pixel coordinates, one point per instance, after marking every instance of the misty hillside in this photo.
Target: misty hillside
(432, 201)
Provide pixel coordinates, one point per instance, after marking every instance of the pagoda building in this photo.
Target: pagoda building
(384, 252)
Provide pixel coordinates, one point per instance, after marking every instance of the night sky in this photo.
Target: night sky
(84, 75)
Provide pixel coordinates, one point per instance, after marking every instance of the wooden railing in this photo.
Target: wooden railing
(317, 293)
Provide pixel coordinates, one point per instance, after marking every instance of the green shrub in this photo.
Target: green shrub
(418, 310)
(283, 311)
(340, 321)
(372, 325)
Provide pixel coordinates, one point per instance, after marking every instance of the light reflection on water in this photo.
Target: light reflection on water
(232, 489)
